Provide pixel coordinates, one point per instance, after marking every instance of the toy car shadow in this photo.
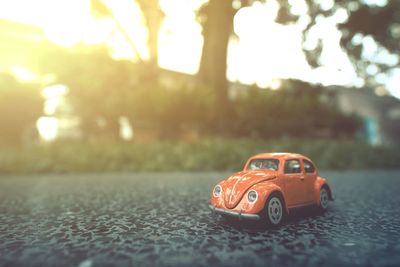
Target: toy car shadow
(295, 217)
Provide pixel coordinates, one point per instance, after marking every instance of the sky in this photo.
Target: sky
(262, 51)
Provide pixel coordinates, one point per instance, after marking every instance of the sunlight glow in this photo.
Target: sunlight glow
(23, 75)
(265, 47)
(48, 128)
(265, 51)
(394, 83)
(128, 15)
(125, 131)
(54, 90)
(66, 21)
(63, 22)
(180, 39)
(53, 98)
(298, 7)
(272, 51)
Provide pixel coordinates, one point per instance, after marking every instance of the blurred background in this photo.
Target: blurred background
(197, 85)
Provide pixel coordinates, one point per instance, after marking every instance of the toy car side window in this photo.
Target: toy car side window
(292, 166)
(308, 166)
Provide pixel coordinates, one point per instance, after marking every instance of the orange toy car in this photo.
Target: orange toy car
(269, 186)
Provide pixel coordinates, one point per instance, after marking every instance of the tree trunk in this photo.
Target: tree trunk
(217, 28)
(153, 15)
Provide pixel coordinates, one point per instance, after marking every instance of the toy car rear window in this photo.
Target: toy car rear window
(308, 166)
(269, 164)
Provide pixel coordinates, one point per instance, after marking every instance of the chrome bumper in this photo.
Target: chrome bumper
(248, 216)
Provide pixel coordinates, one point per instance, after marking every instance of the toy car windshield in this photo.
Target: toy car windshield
(270, 164)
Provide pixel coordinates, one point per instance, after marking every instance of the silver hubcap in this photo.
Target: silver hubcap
(323, 197)
(275, 210)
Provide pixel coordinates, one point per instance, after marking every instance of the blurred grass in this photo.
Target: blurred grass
(205, 155)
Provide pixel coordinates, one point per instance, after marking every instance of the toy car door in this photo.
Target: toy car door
(295, 186)
(310, 175)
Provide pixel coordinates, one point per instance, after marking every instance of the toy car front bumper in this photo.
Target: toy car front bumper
(240, 215)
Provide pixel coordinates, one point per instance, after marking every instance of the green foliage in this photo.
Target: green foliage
(186, 109)
(106, 89)
(376, 20)
(296, 110)
(20, 107)
(206, 155)
(101, 87)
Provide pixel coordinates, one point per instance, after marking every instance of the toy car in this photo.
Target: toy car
(269, 186)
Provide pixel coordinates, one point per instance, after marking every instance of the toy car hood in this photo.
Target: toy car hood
(237, 185)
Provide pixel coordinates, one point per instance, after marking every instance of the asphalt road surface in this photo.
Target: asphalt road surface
(164, 220)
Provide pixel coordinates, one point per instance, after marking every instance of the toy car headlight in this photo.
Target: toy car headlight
(252, 196)
(217, 191)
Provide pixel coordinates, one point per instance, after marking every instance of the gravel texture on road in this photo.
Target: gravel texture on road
(164, 220)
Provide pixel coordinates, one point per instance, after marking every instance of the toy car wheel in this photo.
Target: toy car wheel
(273, 210)
(323, 198)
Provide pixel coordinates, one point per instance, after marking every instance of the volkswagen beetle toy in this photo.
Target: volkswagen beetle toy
(269, 186)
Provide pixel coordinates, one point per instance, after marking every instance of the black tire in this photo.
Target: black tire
(274, 210)
(323, 198)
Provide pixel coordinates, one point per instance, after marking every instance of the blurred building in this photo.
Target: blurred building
(20, 50)
(379, 111)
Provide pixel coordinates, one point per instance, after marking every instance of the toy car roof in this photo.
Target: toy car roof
(279, 155)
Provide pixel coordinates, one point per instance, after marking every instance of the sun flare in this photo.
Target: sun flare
(265, 51)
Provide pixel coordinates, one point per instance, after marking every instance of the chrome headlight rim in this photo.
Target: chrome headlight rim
(217, 193)
(248, 196)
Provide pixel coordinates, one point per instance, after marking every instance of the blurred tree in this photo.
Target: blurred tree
(172, 113)
(365, 23)
(20, 107)
(102, 90)
(99, 86)
(153, 15)
(101, 10)
(216, 18)
(361, 21)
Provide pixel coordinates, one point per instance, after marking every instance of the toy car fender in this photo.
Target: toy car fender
(265, 190)
(319, 183)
